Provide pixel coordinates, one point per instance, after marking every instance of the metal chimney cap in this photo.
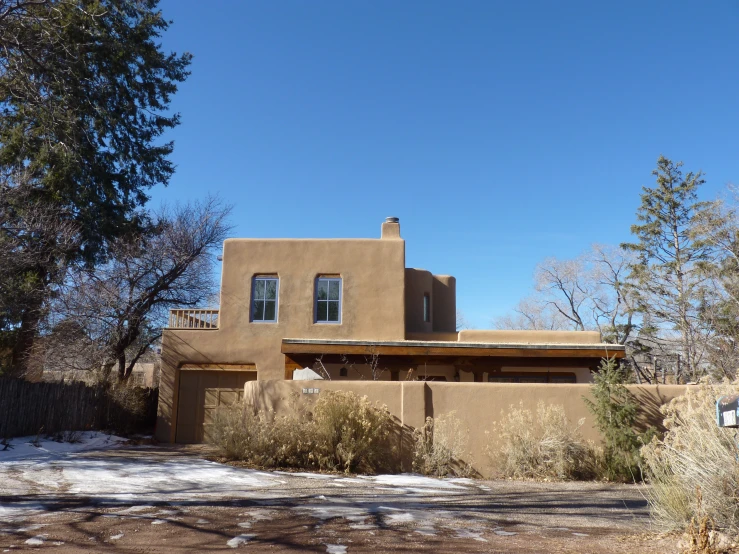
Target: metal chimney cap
(392, 220)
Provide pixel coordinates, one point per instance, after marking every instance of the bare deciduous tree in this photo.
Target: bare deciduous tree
(121, 306)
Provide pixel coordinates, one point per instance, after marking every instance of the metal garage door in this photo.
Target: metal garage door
(201, 393)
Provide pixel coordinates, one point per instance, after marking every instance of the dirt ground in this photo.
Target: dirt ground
(169, 499)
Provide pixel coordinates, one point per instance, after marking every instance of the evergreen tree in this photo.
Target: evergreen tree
(615, 410)
(85, 90)
(668, 272)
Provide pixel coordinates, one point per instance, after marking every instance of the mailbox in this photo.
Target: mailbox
(727, 411)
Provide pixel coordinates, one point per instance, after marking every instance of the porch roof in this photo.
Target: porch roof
(449, 348)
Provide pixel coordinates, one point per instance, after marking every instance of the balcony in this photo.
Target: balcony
(193, 319)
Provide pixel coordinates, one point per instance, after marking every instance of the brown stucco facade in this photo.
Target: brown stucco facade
(403, 317)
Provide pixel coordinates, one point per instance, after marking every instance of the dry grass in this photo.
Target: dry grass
(694, 454)
(441, 447)
(344, 432)
(545, 445)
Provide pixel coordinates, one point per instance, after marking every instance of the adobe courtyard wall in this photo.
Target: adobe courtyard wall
(479, 405)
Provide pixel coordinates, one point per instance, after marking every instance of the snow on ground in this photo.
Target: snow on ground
(33, 447)
(71, 469)
(134, 485)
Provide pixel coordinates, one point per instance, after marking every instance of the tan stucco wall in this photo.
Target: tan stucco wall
(444, 304)
(479, 405)
(529, 337)
(373, 296)
(418, 282)
(442, 292)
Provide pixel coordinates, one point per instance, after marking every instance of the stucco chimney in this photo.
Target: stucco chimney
(391, 228)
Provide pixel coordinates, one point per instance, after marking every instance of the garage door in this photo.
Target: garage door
(201, 393)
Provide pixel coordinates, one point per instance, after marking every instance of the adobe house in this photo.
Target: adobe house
(348, 309)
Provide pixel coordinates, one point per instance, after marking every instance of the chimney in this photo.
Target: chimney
(391, 228)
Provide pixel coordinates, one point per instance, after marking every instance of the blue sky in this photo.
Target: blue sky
(499, 133)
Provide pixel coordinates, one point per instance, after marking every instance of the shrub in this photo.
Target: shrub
(694, 454)
(350, 432)
(547, 445)
(253, 437)
(440, 446)
(345, 432)
(615, 410)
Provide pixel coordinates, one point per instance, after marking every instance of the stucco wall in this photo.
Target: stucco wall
(480, 405)
(418, 282)
(373, 296)
(444, 304)
(529, 337)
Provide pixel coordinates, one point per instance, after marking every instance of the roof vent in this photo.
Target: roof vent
(392, 220)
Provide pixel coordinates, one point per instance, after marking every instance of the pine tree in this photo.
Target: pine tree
(85, 92)
(668, 273)
(615, 410)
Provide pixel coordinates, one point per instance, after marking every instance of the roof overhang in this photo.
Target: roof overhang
(459, 349)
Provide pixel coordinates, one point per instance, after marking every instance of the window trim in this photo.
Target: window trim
(315, 299)
(265, 277)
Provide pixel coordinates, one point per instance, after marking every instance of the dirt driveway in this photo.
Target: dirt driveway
(170, 499)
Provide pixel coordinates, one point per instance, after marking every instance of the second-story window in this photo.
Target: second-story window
(264, 299)
(328, 300)
(427, 308)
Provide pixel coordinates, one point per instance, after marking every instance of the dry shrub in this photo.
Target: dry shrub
(440, 447)
(345, 432)
(351, 433)
(243, 434)
(694, 454)
(545, 445)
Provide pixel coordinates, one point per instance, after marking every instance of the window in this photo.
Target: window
(427, 308)
(264, 299)
(328, 300)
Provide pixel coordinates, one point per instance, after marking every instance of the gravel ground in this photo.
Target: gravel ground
(171, 499)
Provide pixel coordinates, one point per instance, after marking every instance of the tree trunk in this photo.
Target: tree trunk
(25, 338)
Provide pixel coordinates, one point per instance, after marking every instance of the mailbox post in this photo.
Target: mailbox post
(727, 411)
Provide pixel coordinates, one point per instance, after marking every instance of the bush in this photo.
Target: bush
(694, 454)
(440, 446)
(615, 410)
(351, 433)
(242, 434)
(547, 445)
(345, 432)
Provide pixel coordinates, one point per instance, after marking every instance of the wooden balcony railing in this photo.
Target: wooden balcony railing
(193, 319)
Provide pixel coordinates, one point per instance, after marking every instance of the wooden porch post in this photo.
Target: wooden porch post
(290, 366)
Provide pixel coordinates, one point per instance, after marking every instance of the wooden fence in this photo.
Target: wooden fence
(47, 408)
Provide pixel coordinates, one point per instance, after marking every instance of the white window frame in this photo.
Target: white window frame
(264, 278)
(327, 301)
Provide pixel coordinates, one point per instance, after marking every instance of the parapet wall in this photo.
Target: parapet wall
(479, 405)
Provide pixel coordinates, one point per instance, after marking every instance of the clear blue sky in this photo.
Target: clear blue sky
(499, 133)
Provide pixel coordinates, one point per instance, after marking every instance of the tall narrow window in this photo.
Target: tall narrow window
(264, 299)
(427, 308)
(328, 300)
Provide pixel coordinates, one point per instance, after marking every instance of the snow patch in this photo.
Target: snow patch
(239, 540)
(116, 537)
(404, 517)
(413, 480)
(501, 532)
(471, 534)
(23, 447)
(36, 541)
(335, 549)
